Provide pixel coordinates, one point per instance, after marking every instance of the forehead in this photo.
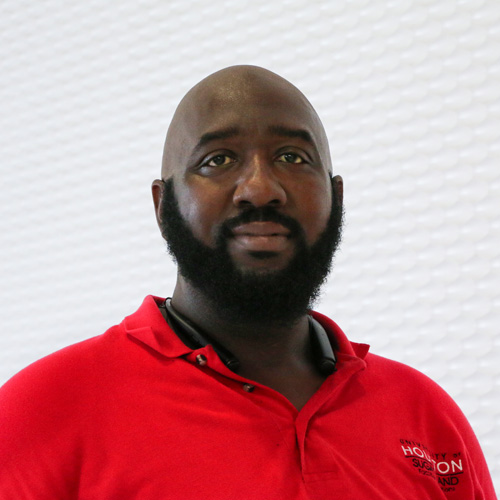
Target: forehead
(254, 111)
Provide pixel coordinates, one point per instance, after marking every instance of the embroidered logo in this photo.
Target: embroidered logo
(444, 467)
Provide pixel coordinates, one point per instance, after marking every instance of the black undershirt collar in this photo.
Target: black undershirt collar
(195, 338)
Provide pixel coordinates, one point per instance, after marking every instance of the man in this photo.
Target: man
(233, 388)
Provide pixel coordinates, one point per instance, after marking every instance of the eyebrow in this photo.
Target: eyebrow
(216, 135)
(234, 131)
(291, 132)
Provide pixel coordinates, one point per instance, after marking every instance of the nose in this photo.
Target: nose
(258, 186)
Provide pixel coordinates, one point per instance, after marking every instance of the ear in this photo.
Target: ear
(157, 192)
(338, 189)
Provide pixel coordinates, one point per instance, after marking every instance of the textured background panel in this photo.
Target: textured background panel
(409, 92)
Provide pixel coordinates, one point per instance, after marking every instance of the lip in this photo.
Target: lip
(261, 236)
(260, 229)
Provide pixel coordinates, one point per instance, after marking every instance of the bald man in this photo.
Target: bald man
(232, 387)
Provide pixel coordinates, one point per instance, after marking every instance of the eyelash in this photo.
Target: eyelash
(206, 163)
(297, 156)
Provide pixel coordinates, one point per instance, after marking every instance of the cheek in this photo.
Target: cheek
(317, 208)
(199, 210)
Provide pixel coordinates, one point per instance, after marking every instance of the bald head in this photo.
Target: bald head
(236, 97)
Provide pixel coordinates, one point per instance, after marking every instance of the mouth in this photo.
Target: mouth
(260, 229)
(261, 236)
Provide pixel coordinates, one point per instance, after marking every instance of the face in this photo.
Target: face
(254, 149)
(248, 210)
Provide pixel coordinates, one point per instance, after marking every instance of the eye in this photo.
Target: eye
(291, 158)
(218, 161)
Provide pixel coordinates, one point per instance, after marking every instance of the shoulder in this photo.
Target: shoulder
(418, 403)
(397, 372)
(408, 384)
(70, 380)
(56, 382)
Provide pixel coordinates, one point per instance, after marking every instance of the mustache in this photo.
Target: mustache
(262, 214)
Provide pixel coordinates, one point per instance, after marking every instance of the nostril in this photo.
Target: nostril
(247, 203)
(244, 203)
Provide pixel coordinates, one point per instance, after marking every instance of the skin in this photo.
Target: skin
(250, 158)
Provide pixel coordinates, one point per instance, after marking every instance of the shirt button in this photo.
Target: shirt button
(201, 359)
(248, 387)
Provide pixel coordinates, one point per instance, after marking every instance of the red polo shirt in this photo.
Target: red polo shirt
(132, 414)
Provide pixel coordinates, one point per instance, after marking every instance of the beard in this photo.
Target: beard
(244, 297)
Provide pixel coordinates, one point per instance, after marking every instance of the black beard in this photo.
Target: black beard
(259, 298)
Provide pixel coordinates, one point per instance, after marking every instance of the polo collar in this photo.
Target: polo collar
(148, 326)
(344, 345)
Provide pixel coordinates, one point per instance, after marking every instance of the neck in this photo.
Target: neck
(256, 346)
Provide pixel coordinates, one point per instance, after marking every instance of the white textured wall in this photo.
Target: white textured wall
(409, 94)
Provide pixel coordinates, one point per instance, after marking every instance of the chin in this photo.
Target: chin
(261, 263)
